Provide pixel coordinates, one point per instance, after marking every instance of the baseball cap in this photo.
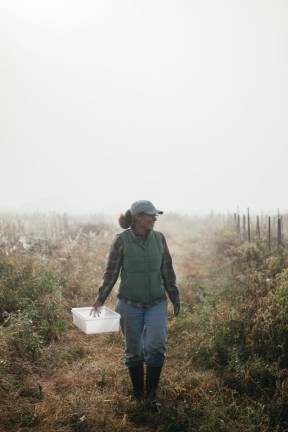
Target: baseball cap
(144, 206)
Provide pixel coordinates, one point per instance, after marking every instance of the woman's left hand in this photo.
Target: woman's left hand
(176, 307)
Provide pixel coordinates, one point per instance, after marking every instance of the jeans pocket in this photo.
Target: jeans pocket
(119, 306)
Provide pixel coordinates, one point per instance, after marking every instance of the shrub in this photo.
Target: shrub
(270, 330)
(24, 340)
(9, 282)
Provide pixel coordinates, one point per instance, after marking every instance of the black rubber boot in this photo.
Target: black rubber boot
(152, 380)
(137, 378)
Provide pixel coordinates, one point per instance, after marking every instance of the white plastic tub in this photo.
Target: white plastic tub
(106, 321)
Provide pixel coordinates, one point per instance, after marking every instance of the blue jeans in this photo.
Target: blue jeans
(145, 331)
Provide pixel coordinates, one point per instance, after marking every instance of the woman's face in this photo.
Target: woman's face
(145, 222)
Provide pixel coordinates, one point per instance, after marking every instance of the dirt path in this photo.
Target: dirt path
(89, 389)
(84, 385)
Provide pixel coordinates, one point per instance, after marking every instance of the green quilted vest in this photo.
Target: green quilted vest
(141, 279)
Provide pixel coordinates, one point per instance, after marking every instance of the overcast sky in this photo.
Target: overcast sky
(181, 102)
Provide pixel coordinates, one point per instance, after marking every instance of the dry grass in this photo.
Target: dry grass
(73, 382)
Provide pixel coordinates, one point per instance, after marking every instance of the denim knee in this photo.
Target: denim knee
(154, 358)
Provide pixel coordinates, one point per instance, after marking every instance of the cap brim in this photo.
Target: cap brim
(157, 212)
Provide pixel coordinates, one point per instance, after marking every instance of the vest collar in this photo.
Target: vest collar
(141, 240)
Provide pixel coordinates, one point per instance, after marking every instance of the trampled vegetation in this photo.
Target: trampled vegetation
(227, 362)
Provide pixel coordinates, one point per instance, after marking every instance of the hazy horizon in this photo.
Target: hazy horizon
(184, 103)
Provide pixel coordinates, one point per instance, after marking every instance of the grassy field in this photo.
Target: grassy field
(227, 359)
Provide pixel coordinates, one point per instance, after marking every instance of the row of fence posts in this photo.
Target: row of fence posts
(262, 230)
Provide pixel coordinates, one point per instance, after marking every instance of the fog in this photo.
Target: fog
(180, 102)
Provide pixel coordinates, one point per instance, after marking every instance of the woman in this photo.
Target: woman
(142, 256)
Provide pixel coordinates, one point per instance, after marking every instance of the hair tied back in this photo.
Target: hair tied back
(125, 219)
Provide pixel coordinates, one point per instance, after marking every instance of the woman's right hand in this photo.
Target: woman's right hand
(96, 309)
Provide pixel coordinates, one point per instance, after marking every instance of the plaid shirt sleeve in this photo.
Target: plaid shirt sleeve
(168, 274)
(112, 271)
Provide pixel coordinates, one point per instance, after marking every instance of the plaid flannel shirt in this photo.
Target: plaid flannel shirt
(114, 265)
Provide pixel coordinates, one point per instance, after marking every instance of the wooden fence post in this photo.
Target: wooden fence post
(269, 233)
(274, 224)
(279, 232)
(238, 224)
(244, 226)
(248, 225)
(258, 229)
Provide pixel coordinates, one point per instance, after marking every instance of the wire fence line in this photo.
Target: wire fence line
(270, 228)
